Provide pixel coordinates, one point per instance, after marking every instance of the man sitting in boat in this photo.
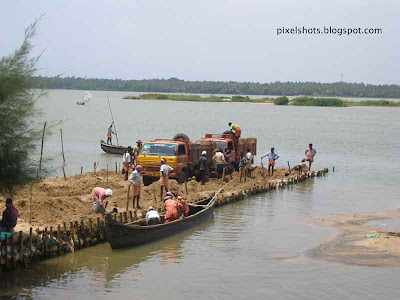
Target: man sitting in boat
(172, 209)
(180, 199)
(99, 194)
(152, 216)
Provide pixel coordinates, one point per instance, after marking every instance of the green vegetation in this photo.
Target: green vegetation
(306, 101)
(19, 130)
(175, 97)
(175, 85)
(384, 103)
(281, 100)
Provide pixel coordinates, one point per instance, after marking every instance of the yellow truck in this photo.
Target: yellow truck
(183, 155)
(179, 153)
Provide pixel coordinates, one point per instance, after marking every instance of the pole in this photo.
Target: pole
(62, 149)
(127, 197)
(30, 204)
(41, 151)
(115, 128)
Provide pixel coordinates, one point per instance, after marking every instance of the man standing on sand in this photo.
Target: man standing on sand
(164, 179)
(99, 194)
(136, 151)
(219, 159)
(310, 153)
(203, 167)
(135, 179)
(272, 157)
(126, 163)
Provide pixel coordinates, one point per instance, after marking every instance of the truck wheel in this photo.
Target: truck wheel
(182, 177)
(181, 136)
(147, 180)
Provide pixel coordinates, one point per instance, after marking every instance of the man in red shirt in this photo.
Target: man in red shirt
(172, 209)
(99, 194)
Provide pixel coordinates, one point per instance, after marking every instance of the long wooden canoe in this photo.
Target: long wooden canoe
(136, 233)
(112, 149)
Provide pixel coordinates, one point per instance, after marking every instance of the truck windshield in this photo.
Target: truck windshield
(159, 149)
(221, 145)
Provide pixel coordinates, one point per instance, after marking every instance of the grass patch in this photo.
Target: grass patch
(306, 101)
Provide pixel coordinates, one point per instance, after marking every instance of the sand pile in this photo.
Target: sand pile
(55, 201)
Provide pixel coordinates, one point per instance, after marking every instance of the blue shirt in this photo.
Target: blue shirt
(271, 155)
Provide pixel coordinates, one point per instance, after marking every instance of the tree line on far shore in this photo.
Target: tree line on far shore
(175, 85)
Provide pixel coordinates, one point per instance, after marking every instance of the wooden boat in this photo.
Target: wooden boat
(112, 149)
(136, 233)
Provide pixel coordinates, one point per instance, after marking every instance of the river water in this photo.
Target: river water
(252, 249)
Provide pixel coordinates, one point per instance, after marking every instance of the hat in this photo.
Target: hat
(169, 194)
(163, 160)
(108, 192)
(167, 197)
(139, 168)
(139, 142)
(204, 153)
(150, 208)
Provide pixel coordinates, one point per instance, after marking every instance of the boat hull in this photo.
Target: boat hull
(124, 235)
(112, 149)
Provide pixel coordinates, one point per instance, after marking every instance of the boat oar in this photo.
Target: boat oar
(215, 195)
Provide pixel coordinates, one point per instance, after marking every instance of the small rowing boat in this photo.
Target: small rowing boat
(112, 149)
(136, 233)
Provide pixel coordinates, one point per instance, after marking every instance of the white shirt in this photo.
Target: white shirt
(152, 214)
(165, 169)
(126, 157)
(134, 177)
(249, 156)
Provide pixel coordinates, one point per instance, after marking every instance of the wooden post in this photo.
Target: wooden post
(45, 242)
(78, 235)
(186, 187)
(91, 229)
(30, 242)
(65, 237)
(62, 149)
(41, 151)
(36, 244)
(98, 229)
(71, 225)
(58, 239)
(119, 167)
(83, 233)
(130, 215)
(107, 173)
(120, 217)
(223, 175)
(125, 217)
(51, 241)
(116, 168)
(94, 168)
(21, 247)
(30, 204)
(81, 170)
(127, 197)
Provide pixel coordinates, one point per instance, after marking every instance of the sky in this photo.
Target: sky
(218, 40)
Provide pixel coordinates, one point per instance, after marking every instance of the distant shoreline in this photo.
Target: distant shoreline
(282, 100)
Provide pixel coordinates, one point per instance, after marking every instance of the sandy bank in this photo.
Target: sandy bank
(360, 243)
(57, 200)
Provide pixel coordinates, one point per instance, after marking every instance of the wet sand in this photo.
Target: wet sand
(360, 243)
